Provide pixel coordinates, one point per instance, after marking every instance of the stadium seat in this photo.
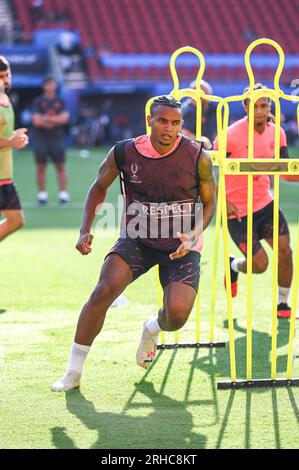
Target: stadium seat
(106, 26)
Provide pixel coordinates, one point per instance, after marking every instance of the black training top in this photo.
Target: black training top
(160, 193)
(49, 107)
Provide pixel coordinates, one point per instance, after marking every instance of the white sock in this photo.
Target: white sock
(78, 356)
(153, 326)
(283, 294)
(234, 264)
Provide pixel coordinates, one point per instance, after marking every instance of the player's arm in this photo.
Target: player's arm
(17, 140)
(41, 120)
(60, 119)
(207, 187)
(96, 195)
(207, 193)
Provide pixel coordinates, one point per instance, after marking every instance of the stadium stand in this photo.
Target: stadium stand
(136, 27)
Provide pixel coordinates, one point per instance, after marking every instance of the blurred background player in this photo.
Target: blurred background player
(49, 118)
(143, 160)
(208, 120)
(236, 193)
(10, 205)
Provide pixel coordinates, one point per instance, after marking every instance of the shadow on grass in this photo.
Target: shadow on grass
(225, 418)
(261, 346)
(164, 422)
(261, 354)
(2, 311)
(167, 422)
(212, 402)
(293, 403)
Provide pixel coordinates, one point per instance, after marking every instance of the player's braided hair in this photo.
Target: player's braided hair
(4, 64)
(165, 100)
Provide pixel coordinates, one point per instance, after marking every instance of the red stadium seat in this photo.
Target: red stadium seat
(131, 29)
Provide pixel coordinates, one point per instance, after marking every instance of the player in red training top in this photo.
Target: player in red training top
(163, 178)
(236, 193)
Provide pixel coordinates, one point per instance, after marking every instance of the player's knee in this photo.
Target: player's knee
(260, 265)
(60, 167)
(177, 315)
(16, 221)
(103, 293)
(21, 221)
(285, 252)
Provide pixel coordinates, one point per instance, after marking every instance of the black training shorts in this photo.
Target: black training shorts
(9, 198)
(141, 258)
(54, 150)
(262, 228)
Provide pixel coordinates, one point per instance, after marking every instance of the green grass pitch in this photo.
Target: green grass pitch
(175, 404)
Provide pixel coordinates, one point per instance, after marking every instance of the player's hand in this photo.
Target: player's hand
(188, 241)
(232, 210)
(84, 243)
(19, 139)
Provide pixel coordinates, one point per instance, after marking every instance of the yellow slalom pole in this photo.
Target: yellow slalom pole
(197, 318)
(215, 263)
(249, 243)
(261, 93)
(174, 75)
(232, 352)
(177, 337)
(293, 305)
(160, 302)
(275, 279)
(222, 144)
(280, 66)
(275, 245)
(295, 285)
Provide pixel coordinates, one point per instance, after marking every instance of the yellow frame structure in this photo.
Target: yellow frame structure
(251, 166)
(196, 94)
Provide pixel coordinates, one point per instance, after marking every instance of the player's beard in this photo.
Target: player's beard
(5, 88)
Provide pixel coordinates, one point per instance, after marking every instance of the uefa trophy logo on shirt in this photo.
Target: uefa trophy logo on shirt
(134, 178)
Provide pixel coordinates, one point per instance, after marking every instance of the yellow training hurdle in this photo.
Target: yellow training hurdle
(251, 166)
(195, 94)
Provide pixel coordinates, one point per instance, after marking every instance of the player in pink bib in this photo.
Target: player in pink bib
(236, 193)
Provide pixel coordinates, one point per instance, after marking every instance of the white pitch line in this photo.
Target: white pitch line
(53, 205)
(34, 205)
